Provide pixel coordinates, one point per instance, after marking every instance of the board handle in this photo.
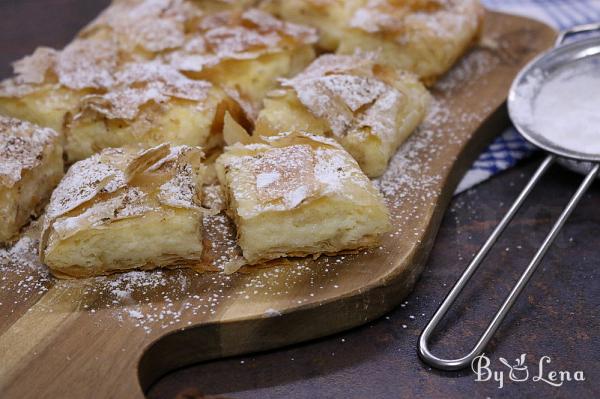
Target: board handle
(460, 363)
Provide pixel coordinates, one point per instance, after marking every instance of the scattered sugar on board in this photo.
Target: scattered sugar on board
(21, 276)
(409, 179)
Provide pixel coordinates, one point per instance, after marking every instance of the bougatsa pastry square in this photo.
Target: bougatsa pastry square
(369, 108)
(423, 36)
(298, 194)
(47, 85)
(149, 103)
(31, 165)
(156, 71)
(96, 101)
(329, 17)
(241, 49)
(245, 53)
(126, 208)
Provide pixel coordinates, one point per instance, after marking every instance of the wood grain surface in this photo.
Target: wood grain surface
(84, 339)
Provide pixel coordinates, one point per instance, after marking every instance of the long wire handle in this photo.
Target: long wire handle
(456, 364)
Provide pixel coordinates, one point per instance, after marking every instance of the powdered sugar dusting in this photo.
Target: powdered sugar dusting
(525, 92)
(87, 64)
(32, 69)
(265, 179)
(408, 19)
(345, 92)
(564, 108)
(21, 274)
(467, 71)
(82, 182)
(83, 64)
(161, 299)
(294, 169)
(138, 84)
(415, 174)
(266, 22)
(176, 170)
(231, 35)
(22, 147)
(181, 191)
(155, 25)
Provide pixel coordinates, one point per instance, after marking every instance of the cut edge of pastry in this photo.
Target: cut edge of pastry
(324, 202)
(31, 165)
(154, 194)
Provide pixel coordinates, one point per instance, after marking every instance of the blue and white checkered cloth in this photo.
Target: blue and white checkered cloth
(510, 147)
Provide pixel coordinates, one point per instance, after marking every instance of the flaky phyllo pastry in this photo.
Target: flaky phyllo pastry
(126, 208)
(298, 194)
(422, 36)
(97, 102)
(329, 17)
(369, 108)
(149, 86)
(155, 71)
(31, 165)
(242, 49)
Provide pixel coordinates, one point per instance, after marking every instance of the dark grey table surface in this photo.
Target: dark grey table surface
(557, 315)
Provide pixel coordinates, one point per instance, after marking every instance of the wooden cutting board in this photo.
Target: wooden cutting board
(113, 337)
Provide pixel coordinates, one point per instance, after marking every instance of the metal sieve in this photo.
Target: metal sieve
(527, 89)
